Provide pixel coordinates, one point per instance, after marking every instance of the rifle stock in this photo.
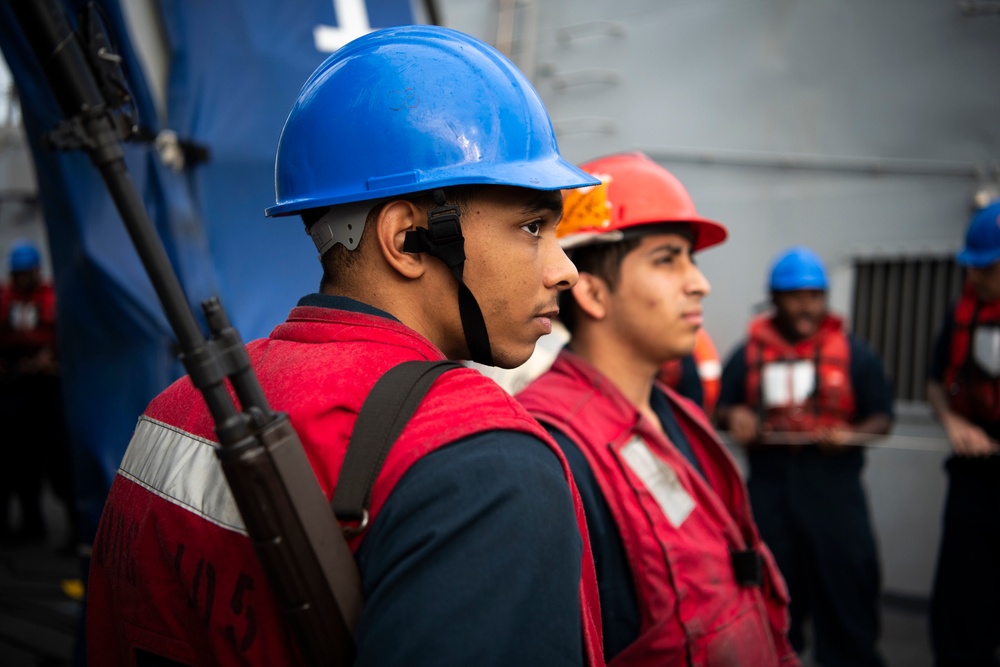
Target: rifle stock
(287, 516)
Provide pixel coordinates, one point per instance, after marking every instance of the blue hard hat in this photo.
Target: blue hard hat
(24, 256)
(414, 108)
(797, 268)
(982, 239)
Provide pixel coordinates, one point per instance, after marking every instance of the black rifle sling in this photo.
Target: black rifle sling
(384, 414)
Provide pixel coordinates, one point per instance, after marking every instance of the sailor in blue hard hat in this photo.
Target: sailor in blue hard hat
(24, 262)
(426, 171)
(963, 389)
(30, 394)
(797, 393)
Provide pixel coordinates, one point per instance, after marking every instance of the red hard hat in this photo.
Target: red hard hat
(634, 191)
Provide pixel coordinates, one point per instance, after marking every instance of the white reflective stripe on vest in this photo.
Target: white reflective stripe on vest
(709, 370)
(986, 349)
(660, 479)
(183, 469)
(788, 383)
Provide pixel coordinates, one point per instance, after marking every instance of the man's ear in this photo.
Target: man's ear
(591, 294)
(393, 222)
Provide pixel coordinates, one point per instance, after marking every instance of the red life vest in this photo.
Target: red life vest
(679, 530)
(973, 393)
(173, 571)
(27, 321)
(832, 400)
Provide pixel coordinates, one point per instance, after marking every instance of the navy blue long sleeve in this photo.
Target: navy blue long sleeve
(619, 603)
(474, 560)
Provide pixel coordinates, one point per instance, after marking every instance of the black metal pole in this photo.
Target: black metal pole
(297, 539)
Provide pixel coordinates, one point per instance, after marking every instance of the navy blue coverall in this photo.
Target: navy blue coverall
(965, 605)
(812, 512)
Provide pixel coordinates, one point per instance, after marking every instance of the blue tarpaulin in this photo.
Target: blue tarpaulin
(235, 69)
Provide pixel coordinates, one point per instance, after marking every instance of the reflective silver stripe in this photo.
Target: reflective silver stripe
(183, 469)
(788, 383)
(986, 349)
(660, 479)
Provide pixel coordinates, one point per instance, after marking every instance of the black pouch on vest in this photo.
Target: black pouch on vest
(748, 567)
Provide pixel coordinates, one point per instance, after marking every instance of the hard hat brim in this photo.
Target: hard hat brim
(707, 233)
(978, 259)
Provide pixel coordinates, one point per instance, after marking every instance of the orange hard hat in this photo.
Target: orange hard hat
(633, 191)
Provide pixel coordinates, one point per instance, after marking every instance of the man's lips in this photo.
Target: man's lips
(805, 326)
(545, 318)
(693, 317)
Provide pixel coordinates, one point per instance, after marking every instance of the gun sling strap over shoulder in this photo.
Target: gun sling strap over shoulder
(384, 414)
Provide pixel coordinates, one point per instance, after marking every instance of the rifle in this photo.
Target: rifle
(295, 534)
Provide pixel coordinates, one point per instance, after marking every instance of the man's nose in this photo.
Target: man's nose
(559, 272)
(697, 282)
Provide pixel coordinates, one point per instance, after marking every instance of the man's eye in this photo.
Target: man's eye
(533, 228)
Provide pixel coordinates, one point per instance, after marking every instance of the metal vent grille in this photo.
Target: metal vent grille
(899, 306)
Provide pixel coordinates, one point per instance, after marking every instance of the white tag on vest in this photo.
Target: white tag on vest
(660, 479)
(23, 316)
(786, 383)
(986, 349)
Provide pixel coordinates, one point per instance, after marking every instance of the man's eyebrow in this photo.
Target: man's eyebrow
(545, 203)
(671, 249)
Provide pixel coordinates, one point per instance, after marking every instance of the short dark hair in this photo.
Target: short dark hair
(604, 260)
(338, 262)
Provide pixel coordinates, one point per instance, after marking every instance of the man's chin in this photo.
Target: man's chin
(678, 353)
(806, 329)
(508, 358)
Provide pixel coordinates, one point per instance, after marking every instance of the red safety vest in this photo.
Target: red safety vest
(679, 530)
(973, 393)
(173, 571)
(27, 321)
(831, 403)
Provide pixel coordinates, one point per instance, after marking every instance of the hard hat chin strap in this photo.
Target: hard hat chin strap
(443, 239)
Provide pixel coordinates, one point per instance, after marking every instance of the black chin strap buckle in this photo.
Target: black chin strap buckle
(442, 238)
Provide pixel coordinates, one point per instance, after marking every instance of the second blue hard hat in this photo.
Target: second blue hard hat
(982, 239)
(410, 109)
(797, 268)
(24, 256)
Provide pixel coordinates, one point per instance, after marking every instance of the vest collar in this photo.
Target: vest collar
(322, 324)
(579, 369)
